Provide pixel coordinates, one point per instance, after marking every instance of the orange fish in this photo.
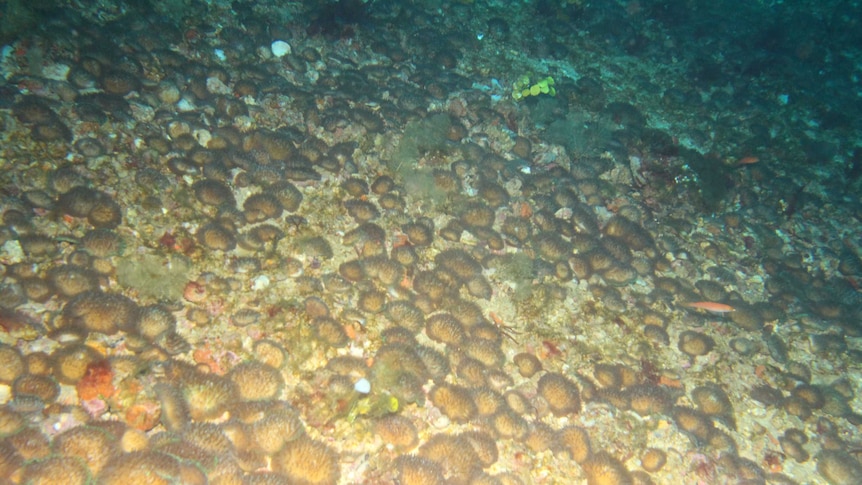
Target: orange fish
(710, 306)
(747, 160)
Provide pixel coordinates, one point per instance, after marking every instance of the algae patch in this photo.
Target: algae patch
(517, 269)
(421, 136)
(159, 277)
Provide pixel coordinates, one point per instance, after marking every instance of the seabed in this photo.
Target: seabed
(427, 242)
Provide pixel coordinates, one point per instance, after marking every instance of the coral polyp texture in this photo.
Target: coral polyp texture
(472, 242)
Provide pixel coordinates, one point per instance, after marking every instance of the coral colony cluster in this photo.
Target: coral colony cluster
(428, 242)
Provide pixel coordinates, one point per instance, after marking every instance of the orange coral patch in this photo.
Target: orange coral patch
(669, 382)
(204, 356)
(143, 416)
(97, 382)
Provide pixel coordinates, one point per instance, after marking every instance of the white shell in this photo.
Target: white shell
(280, 48)
(362, 386)
(260, 282)
(185, 105)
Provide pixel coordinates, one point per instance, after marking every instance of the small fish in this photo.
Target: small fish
(791, 204)
(710, 306)
(747, 160)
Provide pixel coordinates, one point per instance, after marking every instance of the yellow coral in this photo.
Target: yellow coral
(522, 88)
(374, 406)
